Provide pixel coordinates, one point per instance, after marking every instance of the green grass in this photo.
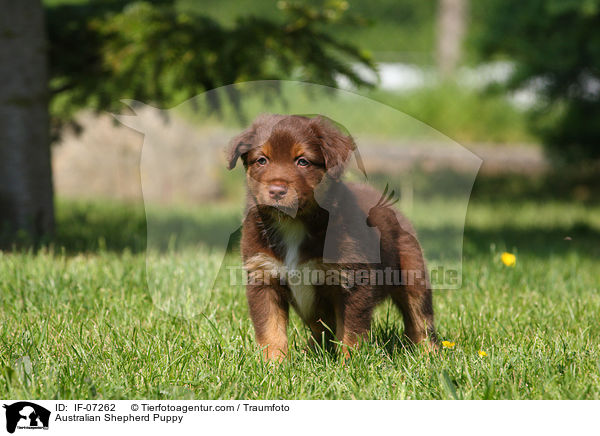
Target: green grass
(79, 321)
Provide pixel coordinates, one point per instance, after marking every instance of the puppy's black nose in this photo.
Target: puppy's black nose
(277, 191)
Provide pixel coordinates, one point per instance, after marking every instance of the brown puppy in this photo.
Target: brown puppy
(331, 250)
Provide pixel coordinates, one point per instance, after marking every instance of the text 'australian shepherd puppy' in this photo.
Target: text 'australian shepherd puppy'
(331, 250)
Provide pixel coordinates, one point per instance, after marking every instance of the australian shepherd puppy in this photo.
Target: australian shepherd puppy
(329, 249)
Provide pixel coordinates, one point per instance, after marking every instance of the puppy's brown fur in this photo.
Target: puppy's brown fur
(295, 197)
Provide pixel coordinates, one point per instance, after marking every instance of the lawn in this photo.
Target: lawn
(78, 320)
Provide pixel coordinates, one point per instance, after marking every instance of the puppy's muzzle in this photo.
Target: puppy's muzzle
(277, 194)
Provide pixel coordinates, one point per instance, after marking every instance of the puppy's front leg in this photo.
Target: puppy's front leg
(269, 312)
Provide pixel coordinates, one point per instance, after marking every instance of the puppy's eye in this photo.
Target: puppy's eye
(302, 162)
(262, 161)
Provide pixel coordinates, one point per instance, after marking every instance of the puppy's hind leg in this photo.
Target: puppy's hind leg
(417, 311)
(413, 297)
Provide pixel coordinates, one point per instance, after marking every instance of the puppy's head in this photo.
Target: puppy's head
(288, 157)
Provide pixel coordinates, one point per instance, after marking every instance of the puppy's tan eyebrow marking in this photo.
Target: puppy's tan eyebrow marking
(266, 148)
(298, 150)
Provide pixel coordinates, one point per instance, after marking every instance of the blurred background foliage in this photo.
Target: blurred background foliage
(163, 52)
(525, 75)
(555, 47)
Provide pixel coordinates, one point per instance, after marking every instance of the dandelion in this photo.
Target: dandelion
(482, 353)
(448, 344)
(508, 259)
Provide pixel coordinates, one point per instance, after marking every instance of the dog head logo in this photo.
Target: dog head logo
(184, 160)
(26, 415)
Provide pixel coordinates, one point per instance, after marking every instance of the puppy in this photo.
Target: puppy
(331, 250)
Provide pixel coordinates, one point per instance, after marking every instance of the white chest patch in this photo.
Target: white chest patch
(293, 234)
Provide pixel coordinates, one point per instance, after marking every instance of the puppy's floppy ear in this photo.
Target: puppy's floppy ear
(335, 145)
(239, 146)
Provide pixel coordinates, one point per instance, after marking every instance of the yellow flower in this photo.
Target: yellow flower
(508, 259)
(482, 353)
(448, 344)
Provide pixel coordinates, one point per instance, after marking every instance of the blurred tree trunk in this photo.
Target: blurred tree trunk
(26, 198)
(451, 24)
